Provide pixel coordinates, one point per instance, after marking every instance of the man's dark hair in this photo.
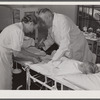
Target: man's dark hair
(44, 10)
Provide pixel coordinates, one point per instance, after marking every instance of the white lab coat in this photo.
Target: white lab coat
(70, 39)
(11, 39)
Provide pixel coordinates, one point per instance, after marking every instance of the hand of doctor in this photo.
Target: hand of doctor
(41, 45)
(52, 62)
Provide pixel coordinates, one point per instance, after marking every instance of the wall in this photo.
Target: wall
(69, 10)
(28, 9)
(6, 17)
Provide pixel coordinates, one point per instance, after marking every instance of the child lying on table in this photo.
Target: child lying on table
(71, 66)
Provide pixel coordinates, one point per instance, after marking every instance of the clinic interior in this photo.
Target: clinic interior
(86, 17)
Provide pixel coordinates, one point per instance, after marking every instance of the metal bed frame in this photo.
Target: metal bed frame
(34, 78)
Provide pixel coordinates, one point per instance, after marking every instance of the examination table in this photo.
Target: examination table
(72, 81)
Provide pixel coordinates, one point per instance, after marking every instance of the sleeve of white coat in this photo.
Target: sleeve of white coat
(16, 39)
(48, 42)
(64, 42)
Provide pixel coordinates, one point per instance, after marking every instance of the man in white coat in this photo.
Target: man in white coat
(67, 35)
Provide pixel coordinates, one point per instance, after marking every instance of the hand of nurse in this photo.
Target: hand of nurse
(38, 58)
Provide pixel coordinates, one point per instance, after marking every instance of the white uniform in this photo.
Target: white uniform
(70, 39)
(11, 39)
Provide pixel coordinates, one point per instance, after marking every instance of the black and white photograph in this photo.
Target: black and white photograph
(46, 47)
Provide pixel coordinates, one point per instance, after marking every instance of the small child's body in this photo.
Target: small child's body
(71, 66)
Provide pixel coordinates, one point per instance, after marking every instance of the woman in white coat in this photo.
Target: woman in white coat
(67, 35)
(11, 40)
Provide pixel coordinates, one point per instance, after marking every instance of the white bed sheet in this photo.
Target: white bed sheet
(75, 81)
(87, 82)
(40, 68)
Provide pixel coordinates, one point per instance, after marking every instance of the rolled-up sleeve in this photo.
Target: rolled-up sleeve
(49, 41)
(64, 41)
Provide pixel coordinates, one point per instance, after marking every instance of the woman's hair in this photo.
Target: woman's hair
(30, 18)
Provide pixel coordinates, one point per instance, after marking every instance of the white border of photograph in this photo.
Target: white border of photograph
(28, 94)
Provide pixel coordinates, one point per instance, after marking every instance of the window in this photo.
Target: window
(89, 16)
